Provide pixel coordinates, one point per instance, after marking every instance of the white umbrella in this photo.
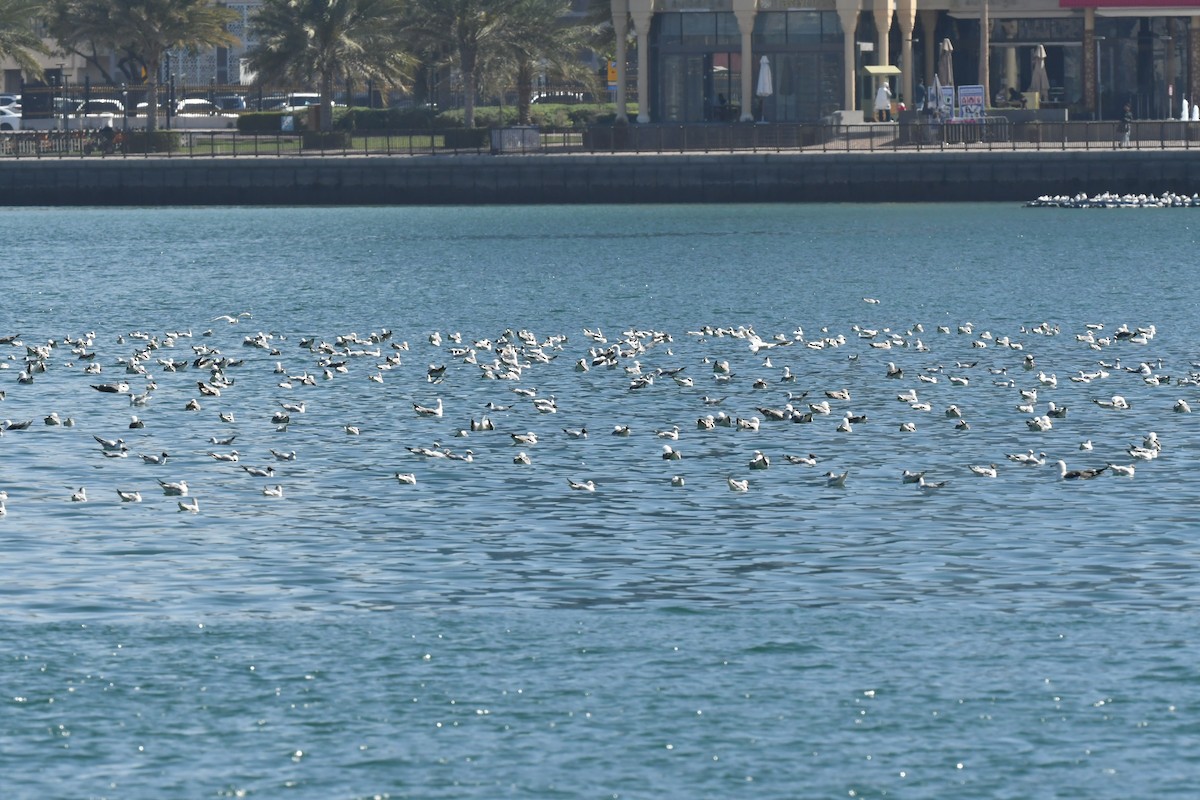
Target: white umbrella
(945, 70)
(1039, 82)
(1184, 115)
(765, 88)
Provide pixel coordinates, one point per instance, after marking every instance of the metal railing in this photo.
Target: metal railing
(999, 135)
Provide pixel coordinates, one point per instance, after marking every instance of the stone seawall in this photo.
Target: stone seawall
(534, 179)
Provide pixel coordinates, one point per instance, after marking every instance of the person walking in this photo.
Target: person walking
(1126, 125)
(883, 103)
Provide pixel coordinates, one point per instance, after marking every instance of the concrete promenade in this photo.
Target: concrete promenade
(533, 179)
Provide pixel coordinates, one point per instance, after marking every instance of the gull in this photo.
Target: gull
(222, 441)
(1028, 458)
(110, 444)
(713, 401)
(136, 423)
(79, 496)
(1151, 442)
(838, 394)
(226, 417)
(820, 408)
(208, 390)
(408, 478)
(1123, 470)
(1086, 444)
(292, 408)
(1047, 380)
(738, 486)
(907, 397)
(1182, 407)
(429, 411)
(280, 418)
(669, 433)
(584, 486)
(959, 381)
(930, 486)
(273, 491)
(835, 479)
(621, 430)
(1142, 453)
(352, 430)
(987, 472)
(9, 425)
(893, 371)
(760, 460)
(1078, 474)
(845, 427)
(191, 504)
(908, 427)
(524, 438)
(677, 480)
(229, 457)
(576, 433)
(671, 454)
(260, 472)
(1056, 411)
(522, 458)
(1039, 424)
(53, 419)
(129, 497)
(484, 424)
(961, 425)
(192, 405)
(911, 477)
(809, 460)
(121, 387)
(750, 424)
(232, 319)
(1029, 394)
(288, 456)
(953, 411)
(1117, 402)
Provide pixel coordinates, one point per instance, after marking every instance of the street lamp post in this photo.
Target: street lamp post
(1099, 73)
(125, 124)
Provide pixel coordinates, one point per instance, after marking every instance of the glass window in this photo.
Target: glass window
(699, 28)
(728, 32)
(831, 27)
(669, 28)
(804, 27)
(770, 27)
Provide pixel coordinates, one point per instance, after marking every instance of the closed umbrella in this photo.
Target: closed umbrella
(765, 88)
(1040, 82)
(945, 70)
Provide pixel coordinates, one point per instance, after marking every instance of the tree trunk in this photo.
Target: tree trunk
(326, 123)
(524, 89)
(468, 55)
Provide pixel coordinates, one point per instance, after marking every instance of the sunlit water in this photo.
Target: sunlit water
(489, 632)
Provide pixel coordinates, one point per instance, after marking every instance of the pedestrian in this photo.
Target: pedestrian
(883, 103)
(1126, 125)
(919, 95)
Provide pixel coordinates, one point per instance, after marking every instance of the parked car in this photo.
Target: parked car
(564, 98)
(9, 120)
(7, 100)
(100, 105)
(195, 106)
(231, 102)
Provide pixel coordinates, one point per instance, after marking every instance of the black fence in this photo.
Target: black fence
(127, 141)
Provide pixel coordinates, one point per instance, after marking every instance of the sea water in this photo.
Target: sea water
(490, 632)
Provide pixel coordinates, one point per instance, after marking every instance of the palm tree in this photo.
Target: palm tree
(144, 29)
(538, 34)
(305, 40)
(18, 38)
(466, 27)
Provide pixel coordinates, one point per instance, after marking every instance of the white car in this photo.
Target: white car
(195, 106)
(9, 120)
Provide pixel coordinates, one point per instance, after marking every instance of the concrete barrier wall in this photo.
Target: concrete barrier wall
(532, 179)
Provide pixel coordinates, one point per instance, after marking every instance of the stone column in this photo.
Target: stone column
(1089, 61)
(883, 25)
(1193, 80)
(906, 18)
(620, 18)
(745, 11)
(929, 31)
(847, 11)
(1011, 70)
(642, 12)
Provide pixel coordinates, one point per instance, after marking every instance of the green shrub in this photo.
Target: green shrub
(161, 142)
(259, 122)
(384, 119)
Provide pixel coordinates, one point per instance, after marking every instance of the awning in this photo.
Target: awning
(881, 69)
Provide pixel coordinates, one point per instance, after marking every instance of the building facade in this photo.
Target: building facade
(702, 60)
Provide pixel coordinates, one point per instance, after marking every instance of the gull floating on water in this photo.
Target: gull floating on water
(736, 485)
(192, 505)
(273, 491)
(408, 478)
(836, 479)
(582, 486)
(1078, 474)
(79, 496)
(988, 471)
(129, 497)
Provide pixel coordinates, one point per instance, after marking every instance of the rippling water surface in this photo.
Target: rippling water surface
(489, 632)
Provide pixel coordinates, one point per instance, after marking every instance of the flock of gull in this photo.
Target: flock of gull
(808, 388)
(1114, 200)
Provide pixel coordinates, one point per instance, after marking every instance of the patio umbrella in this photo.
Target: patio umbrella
(945, 70)
(765, 88)
(1040, 82)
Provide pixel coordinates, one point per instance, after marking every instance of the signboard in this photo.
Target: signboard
(946, 106)
(612, 75)
(970, 102)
